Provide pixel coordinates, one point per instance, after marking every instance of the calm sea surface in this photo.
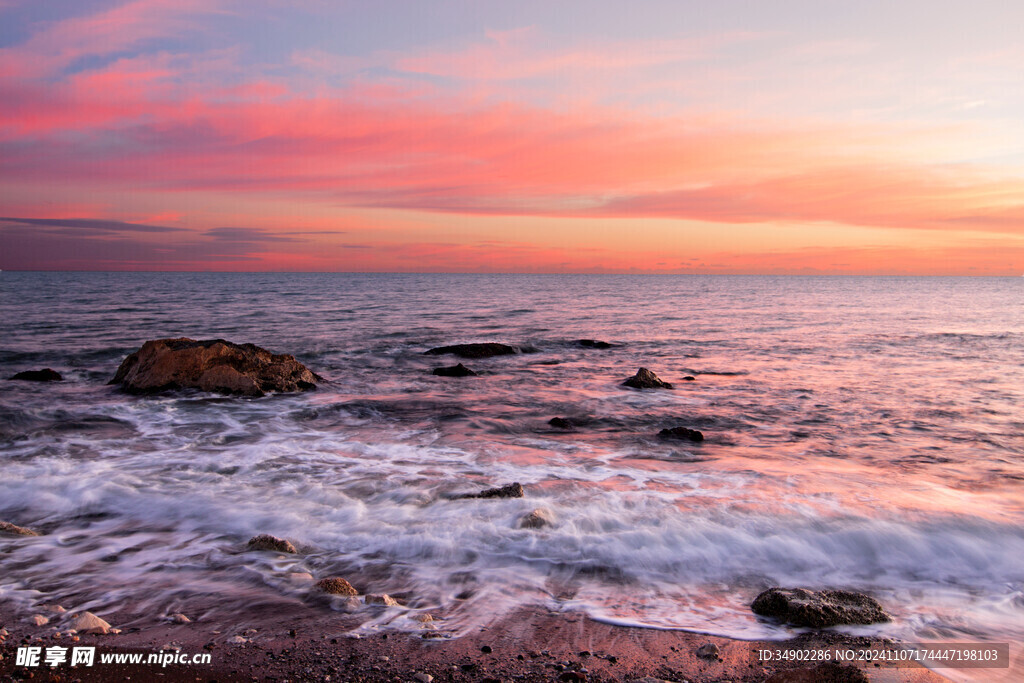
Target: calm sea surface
(862, 433)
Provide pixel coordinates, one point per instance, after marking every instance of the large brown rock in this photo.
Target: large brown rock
(211, 365)
(818, 609)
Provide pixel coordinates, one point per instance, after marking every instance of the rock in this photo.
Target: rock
(53, 609)
(237, 640)
(44, 375)
(300, 577)
(708, 651)
(180, 618)
(459, 370)
(484, 350)
(422, 677)
(335, 585)
(681, 433)
(645, 379)
(573, 677)
(380, 599)
(818, 609)
(594, 344)
(268, 542)
(541, 517)
(15, 530)
(38, 620)
(507, 491)
(689, 378)
(211, 365)
(828, 672)
(87, 622)
(560, 423)
(422, 618)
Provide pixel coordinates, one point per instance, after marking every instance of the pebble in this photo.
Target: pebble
(39, 620)
(708, 651)
(179, 618)
(237, 640)
(422, 677)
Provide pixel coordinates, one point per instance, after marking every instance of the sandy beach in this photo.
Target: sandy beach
(288, 641)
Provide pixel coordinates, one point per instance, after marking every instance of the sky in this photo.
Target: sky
(590, 136)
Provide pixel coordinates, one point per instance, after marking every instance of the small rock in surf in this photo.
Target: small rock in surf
(268, 542)
(335, 585)
(15, 530)
(537, 519)
(645, 379)
(514, 490)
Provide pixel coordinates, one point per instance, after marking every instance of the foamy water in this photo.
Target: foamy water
(861, 433)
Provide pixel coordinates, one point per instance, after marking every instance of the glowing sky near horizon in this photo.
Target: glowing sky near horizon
(587, 136)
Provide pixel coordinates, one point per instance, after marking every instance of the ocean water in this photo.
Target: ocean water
(863, 433)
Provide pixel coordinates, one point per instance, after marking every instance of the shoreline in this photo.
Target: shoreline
(311, 643)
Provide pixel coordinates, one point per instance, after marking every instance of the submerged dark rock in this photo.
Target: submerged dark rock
(514, 490)
(479, 350)
(645, 379)
(818, 609)
(44, 375)
(268, 542)
(560, 423)
(459, 370)
(211, 365)
(594, 344)
(689, 378)
(681, 433)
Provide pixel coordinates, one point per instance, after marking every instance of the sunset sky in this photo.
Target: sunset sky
(457, 136)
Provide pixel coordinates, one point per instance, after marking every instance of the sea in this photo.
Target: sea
(863, 433)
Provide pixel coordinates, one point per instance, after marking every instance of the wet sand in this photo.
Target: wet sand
(302, 642)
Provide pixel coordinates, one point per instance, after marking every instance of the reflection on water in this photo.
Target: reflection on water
(860, 432)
